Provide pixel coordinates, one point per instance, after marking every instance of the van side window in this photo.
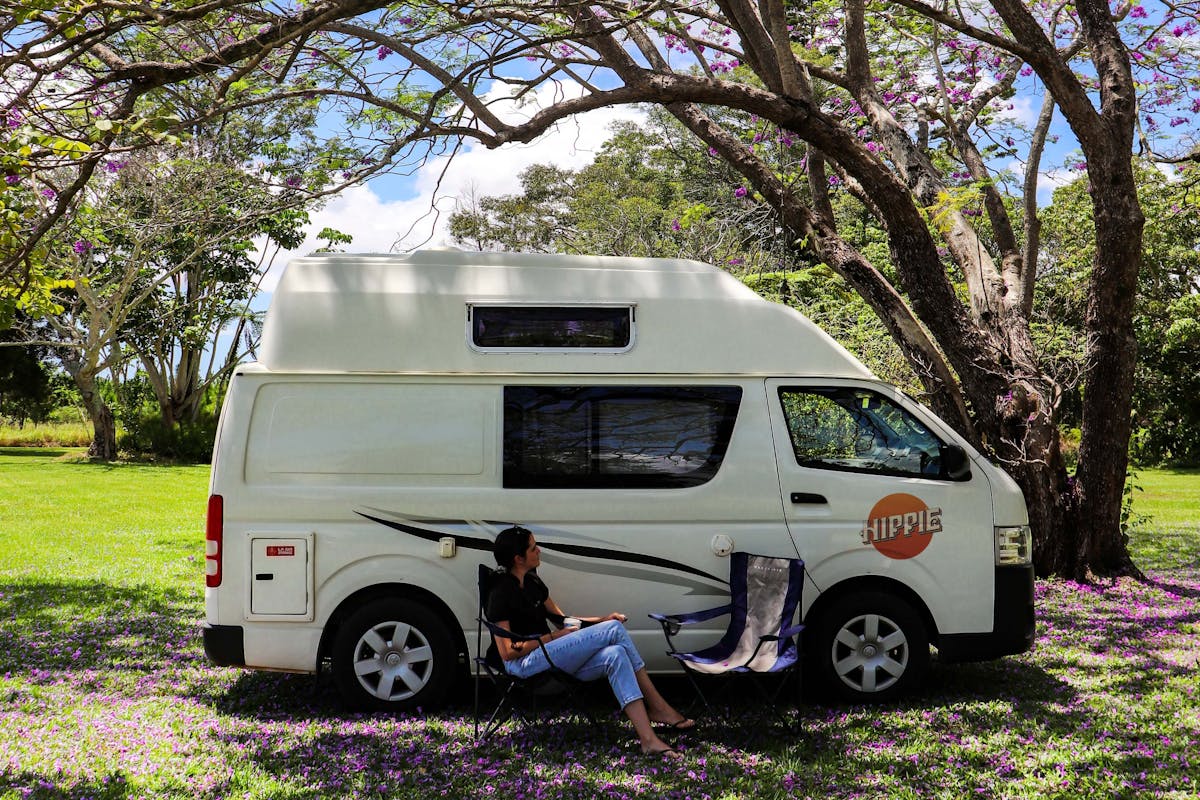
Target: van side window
(551, 327)
(858, 430)
(608, 437)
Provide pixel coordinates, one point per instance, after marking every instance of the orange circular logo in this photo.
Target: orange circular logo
(901, 526)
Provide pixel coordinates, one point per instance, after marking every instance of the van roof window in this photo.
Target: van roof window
(607, 328)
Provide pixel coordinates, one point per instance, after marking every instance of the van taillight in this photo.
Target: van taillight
(213, 530)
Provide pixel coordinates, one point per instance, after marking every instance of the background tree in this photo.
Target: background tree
(901, 107)
(200, 273)
(159, 264)
(25, 390)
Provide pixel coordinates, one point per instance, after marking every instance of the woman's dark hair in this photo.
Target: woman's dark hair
(510, 543)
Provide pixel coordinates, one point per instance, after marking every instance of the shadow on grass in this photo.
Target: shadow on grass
(36, 452)
(36, 786)
(51, 626)
(1180, 589)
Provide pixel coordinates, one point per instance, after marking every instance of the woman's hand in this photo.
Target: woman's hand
(617, 615)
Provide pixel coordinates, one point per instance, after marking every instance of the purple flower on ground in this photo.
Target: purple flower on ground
(740, 192)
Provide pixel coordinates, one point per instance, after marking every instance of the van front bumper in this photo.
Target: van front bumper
(224, 646)
(1013, 624)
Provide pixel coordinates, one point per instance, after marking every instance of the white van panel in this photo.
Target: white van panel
(339, 432)
(284, 646)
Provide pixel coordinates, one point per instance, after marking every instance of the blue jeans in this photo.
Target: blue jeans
(588, 653)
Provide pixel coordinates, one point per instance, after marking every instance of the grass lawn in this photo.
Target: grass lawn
(47, 434)
(105, 692)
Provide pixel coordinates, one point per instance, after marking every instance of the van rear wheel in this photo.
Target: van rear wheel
(871, 647)
(393, 655)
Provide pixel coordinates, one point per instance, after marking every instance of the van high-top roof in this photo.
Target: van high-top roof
(409, 313)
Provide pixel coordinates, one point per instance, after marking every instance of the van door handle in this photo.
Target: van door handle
(264, 576)
(804, 497)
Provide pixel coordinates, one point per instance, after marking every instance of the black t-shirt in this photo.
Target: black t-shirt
(524, 607)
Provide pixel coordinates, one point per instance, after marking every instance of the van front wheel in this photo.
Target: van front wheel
(393, 655)
(871, 647)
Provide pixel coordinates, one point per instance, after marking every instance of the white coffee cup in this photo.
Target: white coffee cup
(572, 622)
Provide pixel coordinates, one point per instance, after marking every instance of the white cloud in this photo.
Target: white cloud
(381, 224)
(1048, 180)
(1021, 109)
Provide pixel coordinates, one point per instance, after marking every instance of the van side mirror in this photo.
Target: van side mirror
(956, 465)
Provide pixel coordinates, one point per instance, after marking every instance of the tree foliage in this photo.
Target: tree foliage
(1166, 398)
(900, 103)
(159, 264)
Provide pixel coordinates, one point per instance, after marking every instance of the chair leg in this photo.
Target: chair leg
(495, 720)
(691, 676)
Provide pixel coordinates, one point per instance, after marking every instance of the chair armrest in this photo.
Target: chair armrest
(496, 630)
(671, 623)
(693, 617)
(503, 633)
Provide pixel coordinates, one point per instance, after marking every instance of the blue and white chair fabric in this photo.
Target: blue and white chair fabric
(761, 638)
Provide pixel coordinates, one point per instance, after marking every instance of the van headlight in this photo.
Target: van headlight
(1014, 546)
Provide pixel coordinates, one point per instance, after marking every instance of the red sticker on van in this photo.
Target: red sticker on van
(901, 526)
(281, 550)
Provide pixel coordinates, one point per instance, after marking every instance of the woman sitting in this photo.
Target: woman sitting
(519, 602)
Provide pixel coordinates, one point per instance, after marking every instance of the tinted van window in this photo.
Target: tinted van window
(600, 437)
(551, 327)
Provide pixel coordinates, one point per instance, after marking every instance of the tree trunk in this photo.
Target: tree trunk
(1108, 379)
(104, 426)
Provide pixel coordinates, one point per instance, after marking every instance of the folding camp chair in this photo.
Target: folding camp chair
(764, 593)
(516, 695)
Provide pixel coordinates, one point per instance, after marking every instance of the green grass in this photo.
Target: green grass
(48, 434)
(113, 523)
(1166, 508)
(105, 693)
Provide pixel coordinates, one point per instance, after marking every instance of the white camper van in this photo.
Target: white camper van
(644, 418)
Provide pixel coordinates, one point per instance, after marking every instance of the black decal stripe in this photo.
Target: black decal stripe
(432, 536)
(632, 558)
(474, 543)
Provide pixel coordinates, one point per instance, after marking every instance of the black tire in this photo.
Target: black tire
(870, 648)
(393, 655)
